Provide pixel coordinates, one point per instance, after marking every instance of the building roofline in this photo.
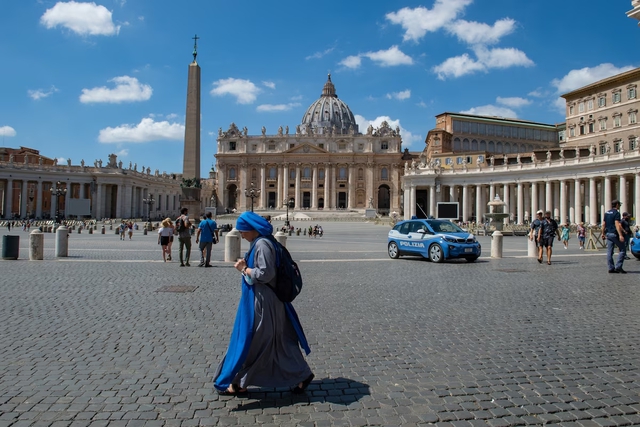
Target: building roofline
(497, 119)
(617, 78)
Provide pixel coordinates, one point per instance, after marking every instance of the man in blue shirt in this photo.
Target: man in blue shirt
(613, 232)
(206, 235)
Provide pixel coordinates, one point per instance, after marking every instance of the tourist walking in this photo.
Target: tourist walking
(130, 230)
(613, 232)
(121, 229)
(624, 222)
(207, 234)
(581, 233)
(163, 237)
(183, 225)
(264, 349)
(534, 232)
(564, 235)
(548, 233)
(173, 233)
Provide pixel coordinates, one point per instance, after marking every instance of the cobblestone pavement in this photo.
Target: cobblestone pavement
(89, 341)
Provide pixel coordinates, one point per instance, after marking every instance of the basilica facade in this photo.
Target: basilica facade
(325, 163)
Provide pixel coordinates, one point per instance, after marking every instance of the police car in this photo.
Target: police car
(634, 245)
(435, 239)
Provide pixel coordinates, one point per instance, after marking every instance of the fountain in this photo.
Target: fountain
(498, 214)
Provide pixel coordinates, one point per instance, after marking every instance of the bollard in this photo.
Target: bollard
(145, 231)
(111, 227)
(36, 245)
(496, 244)
(282, 238)
(90, 230)
(102, 231)
(532, 249)
(62, 241)
(232, 246)
(79, 230)
(10, 247)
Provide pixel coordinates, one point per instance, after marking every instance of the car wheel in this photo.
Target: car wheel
(471, 258)
(637, 255)
(393, 250)
(435, 253)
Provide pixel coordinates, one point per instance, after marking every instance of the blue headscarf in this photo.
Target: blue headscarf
(249, 221)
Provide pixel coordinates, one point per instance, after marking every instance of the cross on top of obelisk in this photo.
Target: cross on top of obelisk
(195, 47)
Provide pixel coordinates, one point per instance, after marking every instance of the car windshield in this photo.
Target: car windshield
(444, 227)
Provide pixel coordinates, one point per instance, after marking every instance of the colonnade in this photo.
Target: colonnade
(576, 199)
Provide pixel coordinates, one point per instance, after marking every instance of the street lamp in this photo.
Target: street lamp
(149, 202)
(30, 210)
(253, 193)
(56, 193)
(289, 204)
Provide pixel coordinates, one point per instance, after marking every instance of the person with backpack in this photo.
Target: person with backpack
(183, 225)
(207, 235)
(264, 349)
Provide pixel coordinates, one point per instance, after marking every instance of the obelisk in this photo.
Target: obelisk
(191, 161)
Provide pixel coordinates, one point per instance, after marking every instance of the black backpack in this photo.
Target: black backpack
(180, 225)
(288, 278)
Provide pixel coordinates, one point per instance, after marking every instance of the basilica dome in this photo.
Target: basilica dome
(329, 115)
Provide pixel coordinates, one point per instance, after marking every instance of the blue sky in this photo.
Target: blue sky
(82, 80)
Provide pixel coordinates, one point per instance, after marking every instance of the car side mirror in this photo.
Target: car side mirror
(422, 231)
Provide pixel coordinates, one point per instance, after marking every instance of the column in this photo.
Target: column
(24, 196)
(636, 207)
(465, 203)
(81, 193)
(571, 200)
(9, 198)
(534, 199)
(351, 197)
(407, 200)
(507, 199)
(54, 202)
(528, 213)
(563, 201)
(412, 200)
(556, 201)
(432, 201)
(623, 193)
(39, 200)
(593, 202)
(492, 195)
(126, 211)
(327, 187)
(119, 200)
(452, 193)
(67, 197)
(263, 187)
(97, 213)
(520, 204)
(577, 202)
(606, 203)
(314, 186)
(479, 207)
(298, 189)
(285, 185)
(333, 186)
(548, 197)
(222, 191)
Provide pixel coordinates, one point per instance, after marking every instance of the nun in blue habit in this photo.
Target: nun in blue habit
(264, 349)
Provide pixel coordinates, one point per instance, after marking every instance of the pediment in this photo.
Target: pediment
(306, 149)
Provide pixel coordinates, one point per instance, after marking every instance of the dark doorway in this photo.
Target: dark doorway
(342, 200)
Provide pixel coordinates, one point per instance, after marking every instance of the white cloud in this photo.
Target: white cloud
(538, 93)
(502, 57)
(407, 137)
(384, 58)
(270, 85)
(491, 110)
(319, 55)
(127, 89)
(481, 33)
(296, 98)
(458, 66)
(486, 59)
(352, 61)
(585, 76)
(172, 116)
(405, 94)
(145, 131)
(513, 102)
(85, 19)
(417, 22)
(244, 90)
(61, 161)
(560, 105)
(123, 153)
(7, 131)
(41, 93)
(422, 104)
(269, 108)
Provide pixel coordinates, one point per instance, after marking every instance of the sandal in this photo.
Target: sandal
(235, 391)
(299, 390)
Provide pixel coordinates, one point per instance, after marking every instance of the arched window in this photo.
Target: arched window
(360, 174)
(483, 146)
(499, 147)
(384, 174)
(342, 173)
(292, 174)
(474, 145)
(465, 145)
(507, 147)
(457, 145)
(491, 147)
(273, 173)
(321, 174)
(232, 173)
(306, 173)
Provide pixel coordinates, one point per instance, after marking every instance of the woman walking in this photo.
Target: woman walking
(163, 237)
(173, 232)
(564, 235)
(264, 349)
(581, 234)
